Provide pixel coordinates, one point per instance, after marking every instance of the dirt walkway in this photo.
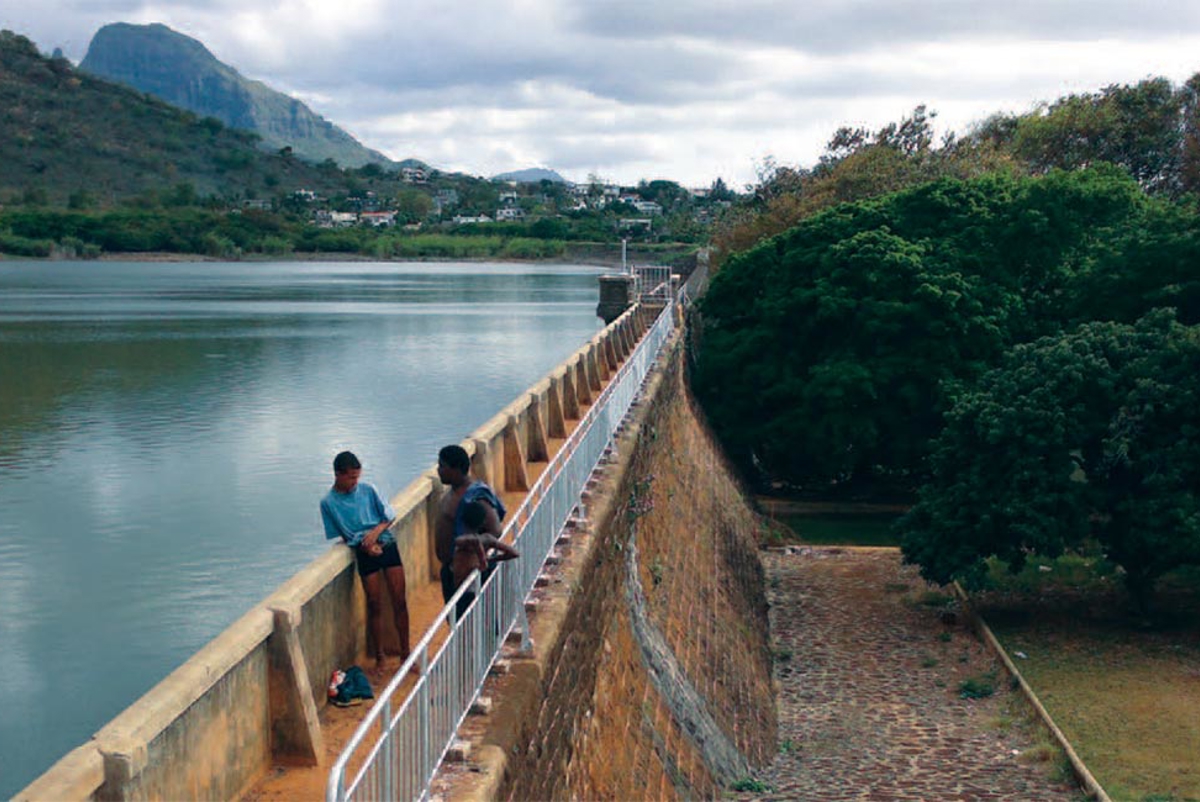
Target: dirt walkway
(869, 667)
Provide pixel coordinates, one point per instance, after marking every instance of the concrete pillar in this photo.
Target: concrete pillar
(535, 443)
(639, 322)
(295, 727)
(623, 347)
(598, 361)
(594, 379)
(610, 352)
(583, 384)
(556, 424)
(515, 478)
(618, 342)
(479, 463)
(432, 511)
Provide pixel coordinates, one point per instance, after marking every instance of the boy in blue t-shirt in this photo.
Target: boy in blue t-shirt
(353, 511)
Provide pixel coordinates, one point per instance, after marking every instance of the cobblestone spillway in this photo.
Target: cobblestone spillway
(869, 702)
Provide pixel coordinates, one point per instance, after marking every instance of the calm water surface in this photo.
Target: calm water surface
(166, 432)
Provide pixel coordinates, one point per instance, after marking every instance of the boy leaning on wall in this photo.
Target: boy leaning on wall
(354, 511)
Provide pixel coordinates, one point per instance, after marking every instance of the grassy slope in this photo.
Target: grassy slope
(63, 131)
(1125, 689)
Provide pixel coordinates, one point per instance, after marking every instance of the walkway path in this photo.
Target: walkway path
(869, 668)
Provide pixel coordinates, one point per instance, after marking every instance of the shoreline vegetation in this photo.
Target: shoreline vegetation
(304, 256)
(592, 255)
(200, 235)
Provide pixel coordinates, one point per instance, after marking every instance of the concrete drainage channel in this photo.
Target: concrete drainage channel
(1086, 780)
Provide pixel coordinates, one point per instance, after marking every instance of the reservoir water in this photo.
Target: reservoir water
(166, 431)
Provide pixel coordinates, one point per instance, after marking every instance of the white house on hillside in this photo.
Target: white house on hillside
(378, 219)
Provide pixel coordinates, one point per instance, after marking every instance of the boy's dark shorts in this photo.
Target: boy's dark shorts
(449, 588)
(368, 565)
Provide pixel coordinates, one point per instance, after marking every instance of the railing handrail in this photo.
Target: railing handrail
(520, 520)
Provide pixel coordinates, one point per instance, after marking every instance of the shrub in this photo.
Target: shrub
(976, 688)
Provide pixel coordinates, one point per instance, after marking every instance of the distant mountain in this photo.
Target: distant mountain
(66, 135)
(531, 176)
(180, 70)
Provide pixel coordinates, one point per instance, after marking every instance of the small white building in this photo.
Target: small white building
(413, 175)
(510, 213)
(378, 219)
(462, 219)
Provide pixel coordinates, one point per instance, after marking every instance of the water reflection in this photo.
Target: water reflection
(165, 431)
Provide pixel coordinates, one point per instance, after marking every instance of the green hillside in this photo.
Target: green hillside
(180, 70)
(70, 137)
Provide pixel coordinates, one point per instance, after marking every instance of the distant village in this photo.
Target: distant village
(635, 208)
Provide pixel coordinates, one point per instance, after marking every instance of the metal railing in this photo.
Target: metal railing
(653, 284)
(395, 753)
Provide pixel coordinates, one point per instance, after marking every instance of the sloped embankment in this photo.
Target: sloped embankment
(659, 685)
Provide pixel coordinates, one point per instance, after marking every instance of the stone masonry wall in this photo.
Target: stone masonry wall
(660, 686)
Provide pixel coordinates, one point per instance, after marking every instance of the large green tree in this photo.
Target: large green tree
(1092, 435)
(827, 351)
(1148, 128)
(1153, 263)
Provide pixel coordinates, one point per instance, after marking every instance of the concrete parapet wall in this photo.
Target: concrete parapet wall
(77, 775)
(248, 699)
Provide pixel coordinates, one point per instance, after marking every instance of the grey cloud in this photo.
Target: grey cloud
(843, 26)
(855, 83)
(615, 85)
(628, 72)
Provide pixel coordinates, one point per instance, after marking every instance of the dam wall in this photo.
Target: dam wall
(650, 676)
(250, 699)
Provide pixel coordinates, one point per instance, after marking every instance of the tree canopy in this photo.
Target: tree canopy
(828, 352)
(1091, 435)
(1150, 130)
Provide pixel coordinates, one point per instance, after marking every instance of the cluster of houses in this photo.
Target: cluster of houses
(327, 219)
(583, 197)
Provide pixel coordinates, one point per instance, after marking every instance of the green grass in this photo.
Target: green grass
(933, 598)
(843, 530)
(1080, 572)
(977, 687)
(1125, 691)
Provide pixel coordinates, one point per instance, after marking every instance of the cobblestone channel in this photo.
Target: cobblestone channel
(869, 668)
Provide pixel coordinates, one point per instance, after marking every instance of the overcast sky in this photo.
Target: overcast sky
(687, 90)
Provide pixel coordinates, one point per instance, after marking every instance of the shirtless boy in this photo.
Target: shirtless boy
(472, 552)
(454, 470)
